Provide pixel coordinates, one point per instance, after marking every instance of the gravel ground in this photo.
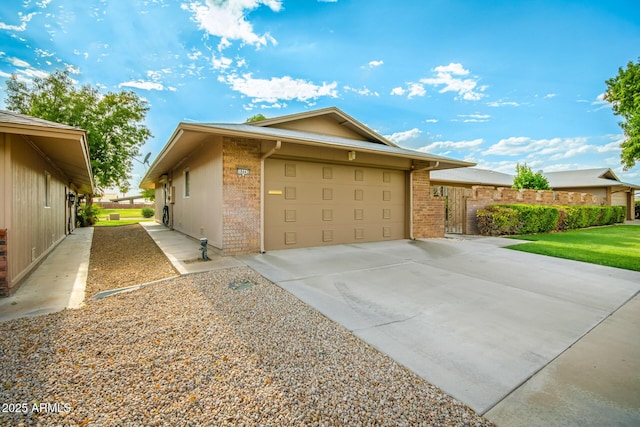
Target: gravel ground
(112, 251)
(191, 351)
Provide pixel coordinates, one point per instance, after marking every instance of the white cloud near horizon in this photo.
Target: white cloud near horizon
(451, 145)
(141, 84)
(227, 20)
(406, 135)
(550, 149)
(278, 88)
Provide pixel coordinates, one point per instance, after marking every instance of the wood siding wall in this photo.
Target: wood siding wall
(34, 229)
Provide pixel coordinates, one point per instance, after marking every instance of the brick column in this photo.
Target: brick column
(428, 211)
(4, 267)
(241, 196)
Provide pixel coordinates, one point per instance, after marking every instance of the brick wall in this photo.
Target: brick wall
(482, 196)
(428, 211)
(4, 267)
(241, 196)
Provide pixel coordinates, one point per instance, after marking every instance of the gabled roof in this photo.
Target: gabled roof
(600, 177)
(473, 176)
(334, 113)
(188, 136)
(65, 146)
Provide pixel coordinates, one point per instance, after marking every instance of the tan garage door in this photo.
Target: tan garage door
(314, 204)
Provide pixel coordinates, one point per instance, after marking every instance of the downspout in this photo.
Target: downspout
(262, 159)
(428, 168)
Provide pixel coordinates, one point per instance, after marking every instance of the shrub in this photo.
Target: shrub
(496, 220)
(148, 212)
(536, 218)
(87, 216)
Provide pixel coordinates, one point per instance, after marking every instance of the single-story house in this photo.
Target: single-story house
(308, 179)
(456, 184)
(45, 166)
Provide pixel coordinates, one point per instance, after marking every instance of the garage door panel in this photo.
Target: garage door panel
(313, 204)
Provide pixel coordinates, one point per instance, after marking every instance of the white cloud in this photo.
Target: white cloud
(466, 89)
(474, 118)
(502, 103)
(141, 84)
(549, 95)
(221, 63)
(17, 62)
(227, 19)
(24, 20)
(600, 103)
(552, 149)
(374, 64)
(278, 88)
(431, 121)
(365, 91)
(412, 89)
(451, 145)
(399, 137)
(398, 91)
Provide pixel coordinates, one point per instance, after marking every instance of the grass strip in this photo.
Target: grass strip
(613, 246)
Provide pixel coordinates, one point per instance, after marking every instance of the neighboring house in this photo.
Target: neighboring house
(455, 185)
(309, 179)
(45, 166)
(602, 183)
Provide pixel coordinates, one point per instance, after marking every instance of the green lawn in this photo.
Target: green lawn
(127, 216)
(124, 213)
(614, 246)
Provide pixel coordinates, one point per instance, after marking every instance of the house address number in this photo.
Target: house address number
(243, 171)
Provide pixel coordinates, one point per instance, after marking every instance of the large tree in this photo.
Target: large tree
(525, 178)
(623, 92)
(114, 122)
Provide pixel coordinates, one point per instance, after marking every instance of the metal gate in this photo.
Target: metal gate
(455, 207)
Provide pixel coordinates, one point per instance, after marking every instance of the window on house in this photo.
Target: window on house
(47, 189)
(187, 183)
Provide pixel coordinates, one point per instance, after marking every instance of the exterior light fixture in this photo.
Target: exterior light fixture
(352, 155)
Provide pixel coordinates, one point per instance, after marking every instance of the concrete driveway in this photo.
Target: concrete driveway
(469, 316)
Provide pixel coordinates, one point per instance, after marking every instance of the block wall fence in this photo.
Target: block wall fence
(482, 196)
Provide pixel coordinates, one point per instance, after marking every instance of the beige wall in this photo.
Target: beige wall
(200, 214)
(323, 125)
(33, 229)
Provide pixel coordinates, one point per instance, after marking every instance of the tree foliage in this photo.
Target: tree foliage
(114, 122)
(149, 194)
(256, 118)
(623, 92)
(525, 178)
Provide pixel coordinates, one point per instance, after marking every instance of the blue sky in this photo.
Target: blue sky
(492, 82)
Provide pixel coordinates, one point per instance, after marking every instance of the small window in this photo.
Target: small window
(187, 183)
(47, 189)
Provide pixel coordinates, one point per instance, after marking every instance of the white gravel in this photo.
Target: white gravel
(193, 352)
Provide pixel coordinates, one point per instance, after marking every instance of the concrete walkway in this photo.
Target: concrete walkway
(184, 251)
(57, 283)
(60, 280)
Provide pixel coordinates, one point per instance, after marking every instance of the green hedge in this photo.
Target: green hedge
(496, 220)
